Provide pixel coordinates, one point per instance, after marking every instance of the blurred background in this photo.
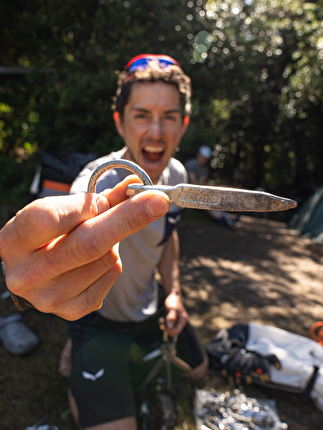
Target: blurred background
(256, 69)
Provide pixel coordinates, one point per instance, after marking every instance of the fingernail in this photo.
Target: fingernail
(102, 204)
(157, 205)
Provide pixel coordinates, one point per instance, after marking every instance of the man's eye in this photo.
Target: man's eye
(170, 117)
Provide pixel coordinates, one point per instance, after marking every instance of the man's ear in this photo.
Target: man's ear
(186, 121)
(118, 123)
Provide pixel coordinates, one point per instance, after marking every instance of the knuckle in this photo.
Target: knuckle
(20, 283)
(87, 247)
(91, 298)
(116, 270)
(44, 304)
(36, 218)
(136, 218)
(110, 259)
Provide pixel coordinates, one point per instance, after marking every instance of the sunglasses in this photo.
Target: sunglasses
(140, 62)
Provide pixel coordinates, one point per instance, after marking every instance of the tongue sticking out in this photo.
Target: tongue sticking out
(152, 157)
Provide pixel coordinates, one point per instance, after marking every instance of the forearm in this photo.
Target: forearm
(168, 266)
(177, 316)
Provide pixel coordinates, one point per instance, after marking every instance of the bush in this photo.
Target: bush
(16, 177)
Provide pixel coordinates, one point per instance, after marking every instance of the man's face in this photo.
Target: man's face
(202, 161)
(152, 125)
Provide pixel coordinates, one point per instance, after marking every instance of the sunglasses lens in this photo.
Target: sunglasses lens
(141, 62)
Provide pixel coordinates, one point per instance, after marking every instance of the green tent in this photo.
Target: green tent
(308, 220)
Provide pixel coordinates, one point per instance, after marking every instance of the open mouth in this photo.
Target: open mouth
(152, 154)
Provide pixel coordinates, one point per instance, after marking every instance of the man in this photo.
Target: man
(148, 116)
(197, 167)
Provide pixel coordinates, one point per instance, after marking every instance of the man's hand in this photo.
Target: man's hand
(176, 317)
(175, 321)
(60, 253)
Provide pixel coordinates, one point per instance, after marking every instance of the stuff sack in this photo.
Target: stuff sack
(58, 169)
(269, 355)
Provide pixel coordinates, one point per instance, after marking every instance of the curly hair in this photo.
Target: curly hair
(153, 73)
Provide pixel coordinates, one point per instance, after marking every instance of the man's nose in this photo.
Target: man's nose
(155, 129)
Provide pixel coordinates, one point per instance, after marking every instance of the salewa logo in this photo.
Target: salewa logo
(173, 220)
(87, 375)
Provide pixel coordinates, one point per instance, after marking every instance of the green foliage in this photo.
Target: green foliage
(256, 68)
(15, 180)
(266, 100)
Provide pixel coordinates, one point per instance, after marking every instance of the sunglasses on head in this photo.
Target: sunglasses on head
(140, 62)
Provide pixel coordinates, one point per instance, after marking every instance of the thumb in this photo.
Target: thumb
(132, 215)
(96, 236)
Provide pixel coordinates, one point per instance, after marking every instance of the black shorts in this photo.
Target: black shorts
(103, 380)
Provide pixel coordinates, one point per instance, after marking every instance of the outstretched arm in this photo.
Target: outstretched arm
(60, 253)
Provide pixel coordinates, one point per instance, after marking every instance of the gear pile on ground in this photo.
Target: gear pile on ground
(235, 411)
(269, 356)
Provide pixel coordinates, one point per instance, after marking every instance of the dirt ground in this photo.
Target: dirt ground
(261, 272)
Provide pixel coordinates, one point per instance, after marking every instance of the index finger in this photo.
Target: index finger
(46, 219)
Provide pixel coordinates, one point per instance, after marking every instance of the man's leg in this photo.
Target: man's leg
(199, 372)
(128, 423)
(65, 360)
(101, 390)
(190, 350)
(124, 424)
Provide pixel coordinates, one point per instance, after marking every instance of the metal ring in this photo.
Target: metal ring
(113, 164)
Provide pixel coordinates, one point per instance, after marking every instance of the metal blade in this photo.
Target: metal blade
(154, 354)
(177, 361)
(219, 198)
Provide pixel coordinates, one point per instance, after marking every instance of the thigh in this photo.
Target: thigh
(100, 380)
(189, 347)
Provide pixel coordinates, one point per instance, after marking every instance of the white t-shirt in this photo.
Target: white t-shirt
(134, 296)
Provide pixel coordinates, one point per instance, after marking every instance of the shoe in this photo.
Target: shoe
(16, 337)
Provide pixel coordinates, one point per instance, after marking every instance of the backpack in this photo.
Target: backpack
(58, 169)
